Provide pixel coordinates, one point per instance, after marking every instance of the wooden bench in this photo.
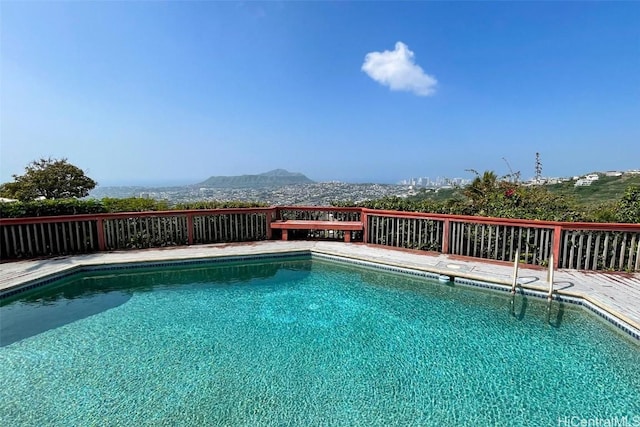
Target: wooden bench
(346, 226)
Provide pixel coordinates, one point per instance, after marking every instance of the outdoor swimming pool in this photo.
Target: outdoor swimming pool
(301, 341)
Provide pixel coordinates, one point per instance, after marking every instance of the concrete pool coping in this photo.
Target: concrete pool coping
(613, 296)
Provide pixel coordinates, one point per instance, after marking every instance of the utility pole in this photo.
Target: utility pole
(538, 168)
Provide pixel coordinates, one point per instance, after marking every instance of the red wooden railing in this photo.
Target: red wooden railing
(586, 246)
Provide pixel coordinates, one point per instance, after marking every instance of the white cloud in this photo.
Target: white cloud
(398, 70)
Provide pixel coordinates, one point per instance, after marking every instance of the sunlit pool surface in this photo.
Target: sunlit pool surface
(304, 342)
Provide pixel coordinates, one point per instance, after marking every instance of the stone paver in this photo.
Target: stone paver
(616, 293)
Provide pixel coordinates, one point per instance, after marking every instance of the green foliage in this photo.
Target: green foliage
(603, 212)
(489, 196)
(50, 208)
(602, 191)
(48, 178)
(76, 207)
(629, 206)
(532, 202)
(440, 194)
(134, 204)
(483, 190)
(107, 205)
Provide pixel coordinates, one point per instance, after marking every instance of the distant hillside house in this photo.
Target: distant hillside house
(587, 180)
(582, 182)
(613, 173)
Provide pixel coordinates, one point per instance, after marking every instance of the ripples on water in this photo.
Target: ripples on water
(303, 343)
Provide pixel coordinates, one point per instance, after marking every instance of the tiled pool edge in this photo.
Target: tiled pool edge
(612, 318)
(615, 319)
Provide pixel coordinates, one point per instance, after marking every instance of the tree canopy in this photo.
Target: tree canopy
(49, 178)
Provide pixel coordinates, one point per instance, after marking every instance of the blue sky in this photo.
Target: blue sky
(174, 92)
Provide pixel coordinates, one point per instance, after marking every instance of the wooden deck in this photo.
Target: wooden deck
(615, 293)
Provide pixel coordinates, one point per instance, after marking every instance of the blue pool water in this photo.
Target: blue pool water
(301, 342)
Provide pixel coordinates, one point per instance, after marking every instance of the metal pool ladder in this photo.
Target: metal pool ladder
(516, 265)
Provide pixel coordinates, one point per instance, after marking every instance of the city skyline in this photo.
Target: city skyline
(150, 93)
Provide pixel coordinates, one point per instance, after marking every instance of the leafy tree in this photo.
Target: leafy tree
(48, 178)
(629, 206)
(484, 193)
(482, 185)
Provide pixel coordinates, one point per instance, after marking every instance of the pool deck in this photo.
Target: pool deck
(615, 293)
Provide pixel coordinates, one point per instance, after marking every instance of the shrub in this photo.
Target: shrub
(50, 208)
(134, 204)
(629, 206)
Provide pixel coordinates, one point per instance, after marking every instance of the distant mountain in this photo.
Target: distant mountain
(274, 178)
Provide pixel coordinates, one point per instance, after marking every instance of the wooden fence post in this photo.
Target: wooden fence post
(365, 225)
(557, 237)
(100, 231)
(190, 228)
(270, 215)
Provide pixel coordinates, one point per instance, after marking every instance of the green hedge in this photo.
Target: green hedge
(107, 205)
(134, 204)
(50, 208)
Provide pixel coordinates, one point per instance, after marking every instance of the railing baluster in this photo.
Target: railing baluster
(236, 219)
(587, 260)
(511, 238)
(17, 240)
(564, 249)
(6, 253)
(504, 242)
(605, 251)
(77, 227)
(631, 254)
(28, 239)
(637, 263)
(595, 265)
(572, 250)
(47, 238)
(204, 223)
(579, 258)
(623, 247)
(614, 248)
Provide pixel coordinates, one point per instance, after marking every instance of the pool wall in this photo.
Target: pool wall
(461, 277)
